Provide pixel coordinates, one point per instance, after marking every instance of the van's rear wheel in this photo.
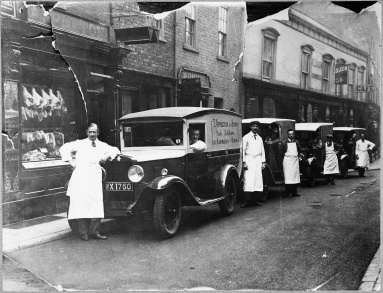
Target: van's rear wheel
(167, 213)
(227, 205)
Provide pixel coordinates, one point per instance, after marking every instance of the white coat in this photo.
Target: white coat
(331, 163)
(253, 156)
(361, 150)
(291, 164)
(85, 185)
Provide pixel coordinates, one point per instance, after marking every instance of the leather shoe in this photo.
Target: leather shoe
(85, 237)
(257, 203)
(297, 195)
(99, 237)
(286, 194)
(246, 205)
(332, 183)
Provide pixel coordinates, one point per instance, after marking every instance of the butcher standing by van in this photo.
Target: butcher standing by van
(253, 162)
(85, 185)
(361, 152)
(290, 150)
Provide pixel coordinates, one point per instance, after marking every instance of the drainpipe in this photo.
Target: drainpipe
(175, 60)
(241, 90)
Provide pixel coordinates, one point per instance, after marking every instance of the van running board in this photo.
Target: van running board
(204, 202)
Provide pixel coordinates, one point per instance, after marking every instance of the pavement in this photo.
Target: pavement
(45, 229)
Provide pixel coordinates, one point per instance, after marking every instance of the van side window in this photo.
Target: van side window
(197, 137)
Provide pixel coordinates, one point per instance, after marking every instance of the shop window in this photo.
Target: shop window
(190, 26)
(222, 32)
(306, 66)
(360, 81)
(127, 99)
(309, 113)
(326, 73)
(268, 108)
(218, 103)
(351, 80)
(270, 37)
(10, 136)
(48, 121)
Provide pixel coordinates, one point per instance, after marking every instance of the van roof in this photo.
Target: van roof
(265, 120)
(310, 126)
(348, 128)
(175, 113)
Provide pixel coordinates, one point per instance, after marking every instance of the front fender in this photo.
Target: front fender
(224, 172)
(166, 181)
(146, 199)
(343, 156)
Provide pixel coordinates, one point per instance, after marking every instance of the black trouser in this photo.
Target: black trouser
(252, 196)
(291, 188)
(330, 177)
(93, 228)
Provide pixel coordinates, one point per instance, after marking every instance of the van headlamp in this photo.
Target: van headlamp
(164, 172)
(135, 173)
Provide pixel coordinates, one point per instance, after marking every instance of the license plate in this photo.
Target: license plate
(118, 186)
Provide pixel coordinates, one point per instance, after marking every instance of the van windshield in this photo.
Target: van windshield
(151, 134)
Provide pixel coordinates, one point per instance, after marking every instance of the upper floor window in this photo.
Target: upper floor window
(326, 73)
(190, 38)
(339, 87)
(360, 81)
(160, 26)
(306, 66)
(351, 80)
(270, 37)
(222, 32)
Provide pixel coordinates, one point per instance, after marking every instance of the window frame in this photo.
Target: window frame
(190, 15)
(326, 81)
(351, 80)
(160, 23)
(306, 76)
(362, 70)
(269, 34)
(339, 89)
(222, 30)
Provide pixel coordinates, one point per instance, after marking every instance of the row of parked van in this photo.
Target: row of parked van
(309, 135)
(161, 179)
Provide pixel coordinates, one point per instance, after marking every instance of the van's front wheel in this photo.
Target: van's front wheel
(227, 205)
(167, 213)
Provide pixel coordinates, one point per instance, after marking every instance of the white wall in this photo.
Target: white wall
(288, 55)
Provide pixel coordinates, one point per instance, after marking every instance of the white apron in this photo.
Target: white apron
(85, 185)
(254, 156)
(361, 150)
(331, 163)
(291, 164)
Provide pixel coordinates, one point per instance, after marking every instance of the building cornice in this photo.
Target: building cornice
(315, 30)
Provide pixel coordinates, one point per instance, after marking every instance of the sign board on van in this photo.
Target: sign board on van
(341, 71)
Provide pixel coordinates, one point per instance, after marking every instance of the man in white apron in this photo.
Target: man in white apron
(290, 150)
(85, 185)
(361, 152)
(330, 166)
(253, 162)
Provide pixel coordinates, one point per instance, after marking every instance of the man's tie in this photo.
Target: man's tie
(93, 144)
(255, 136)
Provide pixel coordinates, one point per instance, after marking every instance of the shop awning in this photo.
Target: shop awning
(137, 35)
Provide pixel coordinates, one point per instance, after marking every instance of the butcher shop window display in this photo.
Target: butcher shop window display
(44, 115)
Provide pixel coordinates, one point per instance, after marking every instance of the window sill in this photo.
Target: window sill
(162, 40)
(190, 48)
(223, 59)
